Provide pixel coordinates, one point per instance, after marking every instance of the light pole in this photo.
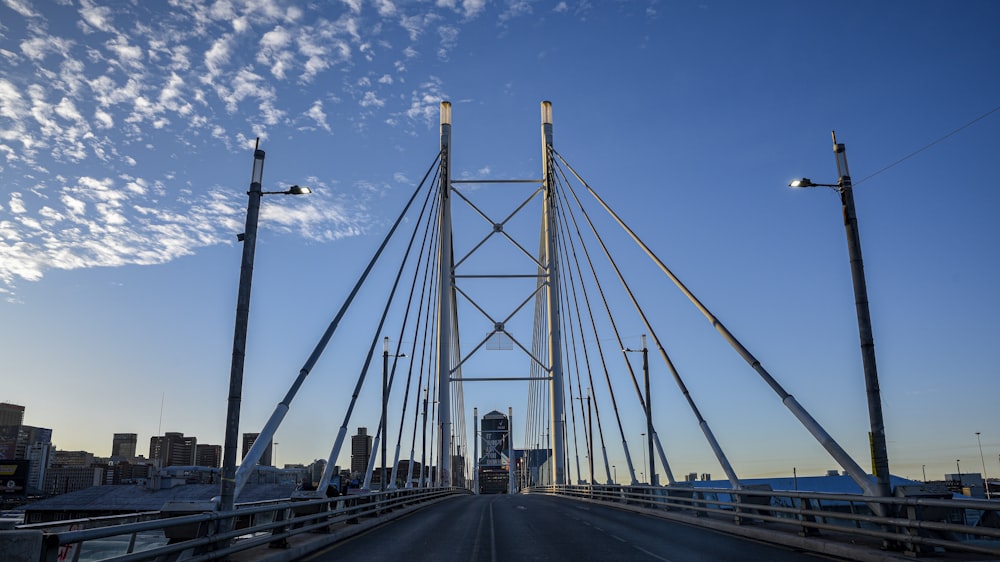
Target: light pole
(385, 402)
(615, 472)
(643, 436)
(649, 412)
(923, 469)
(423, 447)
(986, 481)
(227, 493)
(880, 455)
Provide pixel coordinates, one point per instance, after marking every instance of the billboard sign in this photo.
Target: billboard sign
(13, 477)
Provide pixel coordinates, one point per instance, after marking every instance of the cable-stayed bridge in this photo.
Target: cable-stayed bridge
(522, 266)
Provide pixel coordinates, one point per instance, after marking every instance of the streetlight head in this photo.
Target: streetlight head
(299, 190)
(803, 182)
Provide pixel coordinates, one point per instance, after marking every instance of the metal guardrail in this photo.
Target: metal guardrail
(915, 525)
(196, 536)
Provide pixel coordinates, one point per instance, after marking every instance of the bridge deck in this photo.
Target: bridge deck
(536, 527)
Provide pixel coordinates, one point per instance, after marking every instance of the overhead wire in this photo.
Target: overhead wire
(919, 150)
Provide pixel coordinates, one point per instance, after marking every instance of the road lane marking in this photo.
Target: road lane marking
(644, 551)
(617, 538)
(493, 537)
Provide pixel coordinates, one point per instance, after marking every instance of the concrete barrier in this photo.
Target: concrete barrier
(20, 546)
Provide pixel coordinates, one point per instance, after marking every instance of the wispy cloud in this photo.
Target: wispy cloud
(93, 116)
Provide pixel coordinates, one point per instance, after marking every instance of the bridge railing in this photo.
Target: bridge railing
(917, 524)
(200, 535)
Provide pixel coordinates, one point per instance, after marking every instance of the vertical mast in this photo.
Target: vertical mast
(475, 454)
(445, 302)
(549, 225)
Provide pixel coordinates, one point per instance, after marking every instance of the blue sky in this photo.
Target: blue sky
(126, 134)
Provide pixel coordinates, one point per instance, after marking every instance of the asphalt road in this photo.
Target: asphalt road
(530, 527)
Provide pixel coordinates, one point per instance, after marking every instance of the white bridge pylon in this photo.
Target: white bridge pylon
(544, 349)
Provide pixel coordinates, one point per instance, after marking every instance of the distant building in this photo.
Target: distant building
(966, 483)
(11, 414)
(317, 468)
(123, 446)
(15, 440)
(248, 440)
(39, 460)
(173, 449)
(209, 455)
(127, 473)
(361, 451)
(66, 479)
(65, 459)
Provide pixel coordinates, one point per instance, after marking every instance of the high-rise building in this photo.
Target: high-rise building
(173, 449)
(39, 460)
(15, 440)
(361, 451)
(209, 455)
(123, 446)
(11, 414)
(494, 432)
(248, 440)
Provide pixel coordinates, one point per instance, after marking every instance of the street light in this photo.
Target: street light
(227, 494)
(643, 478)
(385, 401)
(986, 481)
(880, 456)
(649, 410)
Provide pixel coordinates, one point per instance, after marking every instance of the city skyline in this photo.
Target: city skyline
(126, 139)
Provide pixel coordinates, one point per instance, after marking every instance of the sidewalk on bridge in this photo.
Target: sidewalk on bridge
(830, 543)
(308, 543)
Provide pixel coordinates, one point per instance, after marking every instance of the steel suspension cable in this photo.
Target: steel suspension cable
(621, 344)
(425, 248)
(425, 307)
(825, 439)
(593, 324)
(380, 434)
(569, 379)
(282, 408)
(706, 430)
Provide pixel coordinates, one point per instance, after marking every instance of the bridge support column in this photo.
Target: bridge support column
(445, 303)
(550, 226)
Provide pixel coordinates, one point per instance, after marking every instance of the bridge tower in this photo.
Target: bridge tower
(446, 302)
(550, 227)
(448, 354)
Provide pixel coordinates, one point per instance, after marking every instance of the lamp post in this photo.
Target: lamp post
(880, 455)
(643, 437)
(649, 411)
(385, 401)
(923, 469)
(423, 447)
(986, 481)
(615, 472)
(227, 494)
